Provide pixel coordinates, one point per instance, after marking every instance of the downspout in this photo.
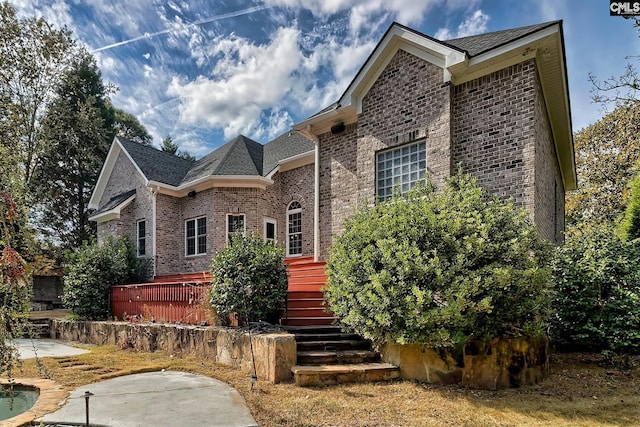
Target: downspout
(154, 192)
(316, 199)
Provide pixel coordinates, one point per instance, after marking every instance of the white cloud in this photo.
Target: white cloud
(106, 64)
(246, 80)
(472, 25)
(55, 12)
(551, 9)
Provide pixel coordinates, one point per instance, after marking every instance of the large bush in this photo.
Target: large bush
(597, 306)
(435, 267)
(249, 278)
(92, 270)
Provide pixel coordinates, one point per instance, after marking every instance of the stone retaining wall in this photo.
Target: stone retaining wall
(492, 364)
(274, 353)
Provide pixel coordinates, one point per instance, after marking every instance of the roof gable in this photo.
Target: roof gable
(398, 37)
(465, 59)
(286, 146)
(157, 165)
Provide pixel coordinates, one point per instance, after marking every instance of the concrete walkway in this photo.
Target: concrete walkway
(45, 348)
(168, 399)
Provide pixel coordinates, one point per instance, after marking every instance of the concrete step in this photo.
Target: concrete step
(332, 336)
(39, 328)
(293, 312)
(309, 376)
(333, 345)
(314, 329)
(308, 321)
(336, 357)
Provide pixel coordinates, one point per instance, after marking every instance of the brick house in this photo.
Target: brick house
(181, 212)
(495, 103)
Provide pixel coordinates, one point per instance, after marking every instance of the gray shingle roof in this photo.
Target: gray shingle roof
(481, 43)
(157, 165)
(287, 145)
(240, 156)
(114, 202)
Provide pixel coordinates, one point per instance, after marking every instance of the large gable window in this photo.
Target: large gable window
(235, 225)
(196, 236)
(294, 229)
(398, 169)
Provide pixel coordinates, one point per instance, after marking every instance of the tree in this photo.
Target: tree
(629, 226)
(435, 267)
(77, 129)
(606, 155)
(128, 126)
(33, 57)
(168, 146)
(617, 90)
(15, 289)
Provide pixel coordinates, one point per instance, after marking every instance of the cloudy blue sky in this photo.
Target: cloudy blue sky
(205, 71)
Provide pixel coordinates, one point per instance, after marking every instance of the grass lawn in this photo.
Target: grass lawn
(581, 391)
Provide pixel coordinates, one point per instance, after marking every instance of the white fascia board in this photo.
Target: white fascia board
(293, 162)
(304, 127)
(297, 161)
(105, 173)
(515, 45)
(218, 181)
(112, 213)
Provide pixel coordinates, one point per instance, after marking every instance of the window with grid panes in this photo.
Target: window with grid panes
(235, 225)
(142, 237)
(294, 229)
(398, 169)
(196, 236)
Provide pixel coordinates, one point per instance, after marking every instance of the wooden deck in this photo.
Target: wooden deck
(178, 297)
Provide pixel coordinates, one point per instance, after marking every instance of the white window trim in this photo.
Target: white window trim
(195, 220)
(268, 220)
(290, 212)
(138, 238)
(244, 231)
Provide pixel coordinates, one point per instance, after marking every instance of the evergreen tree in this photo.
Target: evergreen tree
(168, 146)
(77, 129)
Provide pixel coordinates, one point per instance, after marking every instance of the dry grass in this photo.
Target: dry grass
(580, 392)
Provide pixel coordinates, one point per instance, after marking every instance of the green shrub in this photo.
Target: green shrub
(434, 267)
(92, 270)
(597, 305)
(249, 278)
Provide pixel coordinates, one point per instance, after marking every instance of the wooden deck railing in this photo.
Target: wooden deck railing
(160, 302)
